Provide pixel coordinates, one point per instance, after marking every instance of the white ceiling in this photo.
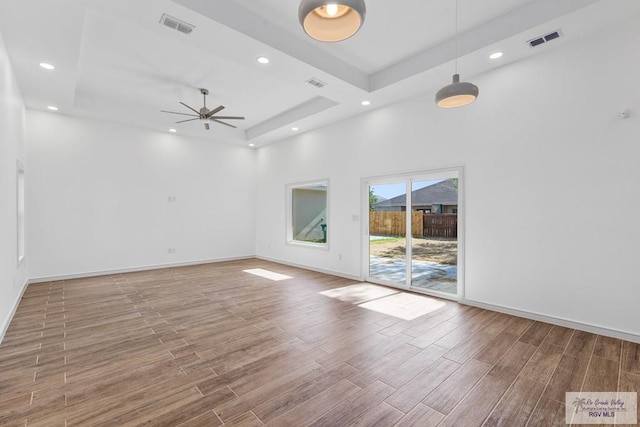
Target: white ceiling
(114, 61)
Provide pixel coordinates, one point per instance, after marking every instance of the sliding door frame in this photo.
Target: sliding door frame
(410, 178)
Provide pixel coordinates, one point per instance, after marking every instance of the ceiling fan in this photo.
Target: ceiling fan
(205, 113)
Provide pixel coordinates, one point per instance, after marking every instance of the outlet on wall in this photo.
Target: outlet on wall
(172, 250)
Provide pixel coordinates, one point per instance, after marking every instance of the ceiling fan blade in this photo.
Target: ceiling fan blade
(228, 117)
(215, 110)
(188, 120)
(223, 123)
(206, 126)
(182, 114)
(192, 109)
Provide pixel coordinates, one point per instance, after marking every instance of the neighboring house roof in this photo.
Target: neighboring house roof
(441, 193)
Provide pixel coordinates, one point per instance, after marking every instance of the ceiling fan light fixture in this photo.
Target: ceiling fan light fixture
(457, 94)
(331, 20)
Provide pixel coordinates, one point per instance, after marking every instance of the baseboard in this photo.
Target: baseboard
(310, 268)
(567, 323)
(135, 269)
(16, 303)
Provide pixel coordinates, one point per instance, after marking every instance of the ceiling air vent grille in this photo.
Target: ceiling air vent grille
(176, 24)
(537, 41)
(316, 82)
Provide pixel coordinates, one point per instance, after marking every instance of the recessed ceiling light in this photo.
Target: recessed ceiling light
(295, 129)
(52, 108)
(47, 66)
(365, 103)
(252, 145)
(263, 60)
(495, 55)
(173, 130)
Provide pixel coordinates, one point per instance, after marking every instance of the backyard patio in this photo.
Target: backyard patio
(434, 262)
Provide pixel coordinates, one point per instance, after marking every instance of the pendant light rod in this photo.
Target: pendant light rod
(457, 40)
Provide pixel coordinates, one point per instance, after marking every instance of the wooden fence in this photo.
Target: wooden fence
(394, 223)
(422, 225)
(440, 225)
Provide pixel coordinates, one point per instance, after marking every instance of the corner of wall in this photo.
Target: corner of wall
(13, 275)
(4, 327)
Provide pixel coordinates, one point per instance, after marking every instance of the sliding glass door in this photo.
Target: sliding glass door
(387, 233)
(412, 232)
(434, 236)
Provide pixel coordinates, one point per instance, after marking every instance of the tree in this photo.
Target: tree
(373, 199)
(454, 181)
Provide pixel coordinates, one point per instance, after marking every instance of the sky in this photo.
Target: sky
(389, 191)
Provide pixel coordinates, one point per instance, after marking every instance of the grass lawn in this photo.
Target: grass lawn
(386, 240)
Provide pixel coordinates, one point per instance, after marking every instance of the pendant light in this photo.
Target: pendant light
(456, 94)
(331, 20)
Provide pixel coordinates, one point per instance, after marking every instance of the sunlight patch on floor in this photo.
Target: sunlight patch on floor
(357, 294)
(271, 275)
(403, 305)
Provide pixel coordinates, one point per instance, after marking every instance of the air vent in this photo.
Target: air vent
(536, 42)
(551, 36)
(316, 82)
(176, 24)
(544, 39)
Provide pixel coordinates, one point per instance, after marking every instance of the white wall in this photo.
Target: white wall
(12, 276)
(552, 177)
(98, 197)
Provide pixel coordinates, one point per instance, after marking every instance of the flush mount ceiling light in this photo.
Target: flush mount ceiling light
(495, 55)
(263, 60)
(331, 20)
(456, 94)
(365, 103)
(52, 108)
(47, 66)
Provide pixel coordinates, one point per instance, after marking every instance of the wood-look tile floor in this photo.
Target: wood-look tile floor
(211, 345)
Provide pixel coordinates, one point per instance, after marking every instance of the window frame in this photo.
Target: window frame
(20, 213)
(289, 217)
